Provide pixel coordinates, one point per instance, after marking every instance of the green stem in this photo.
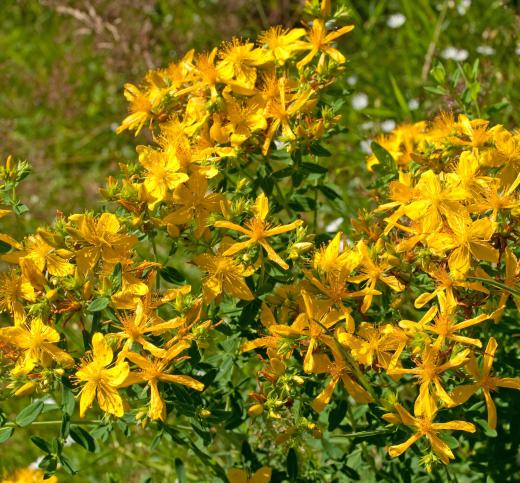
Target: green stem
(44, 423)
(360, 434)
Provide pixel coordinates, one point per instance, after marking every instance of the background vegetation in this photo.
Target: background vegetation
(63, 65)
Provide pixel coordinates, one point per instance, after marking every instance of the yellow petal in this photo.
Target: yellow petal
(109, 400)
(88, 393)
(399, 449)
(101, 350)
(262, 475)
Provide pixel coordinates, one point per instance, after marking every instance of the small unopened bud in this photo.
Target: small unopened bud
(87, 290)
(51, 295)
(26, 389)
(204, 413)
(277, 366)
(255, 410)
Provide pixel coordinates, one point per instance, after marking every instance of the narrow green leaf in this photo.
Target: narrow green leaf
(292, 464)
(41, 443)
(5, 434)
(97, 305)
(496, 284)
(399, 96)
(179, 469)
(29, 414)
(83, 438)
(387, 164)
(314, 168)
(172, 275)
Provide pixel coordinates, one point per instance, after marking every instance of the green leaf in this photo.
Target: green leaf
(292, 464)
(399, 96)
(496, 284)
(29, 414)
(41, 443)
(451, 441)
(491, 433)
(117, 278)
(329, 192)
(97, 305)
(438, 72)
(179, 469)
(387, 163)
(5, 434)
(65, 426)
(83, 438)
(351, 472)
(337, 414)
(318, 150)
(172, 275)
(67, 401)
(314, 168)
(67, 464)
(435, 90)
(49, 465)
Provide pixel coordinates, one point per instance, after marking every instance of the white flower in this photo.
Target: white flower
(334, 225)
(359, 101)
(463, 6)
(413, 104)
(367, 125)
(352, 80)
(453, 53)
(388, 125)
(485, 50)
(365, 146)
(396, 20)
(517, 50)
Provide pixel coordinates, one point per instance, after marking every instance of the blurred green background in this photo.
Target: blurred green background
(63, 64)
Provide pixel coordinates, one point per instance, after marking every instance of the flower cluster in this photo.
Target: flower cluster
(199, 243)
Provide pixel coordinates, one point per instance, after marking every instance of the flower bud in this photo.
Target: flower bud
(255, 410)
(26, 389)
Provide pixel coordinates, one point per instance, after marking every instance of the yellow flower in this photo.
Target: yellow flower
(37, 342)
(224, 275)
(193, 202)
(29, 475)
(239, 62)
(244, 119)
(257, 229)
(469, 238)
(162, 173)
(280, 111)
(445, 284)
(423, 425)
(14, 289)
(374, 344)
(444, 324)
(434, 199)
(511, 279)
(339, 372)
(281, 42)
(140, 109)
(429, 370)
(44, 256)
(320, 40)
(102, 240)
(100, 380)
(153, 370)
(484, 381)
(135, 328)
(373, 271)
(262, 475)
